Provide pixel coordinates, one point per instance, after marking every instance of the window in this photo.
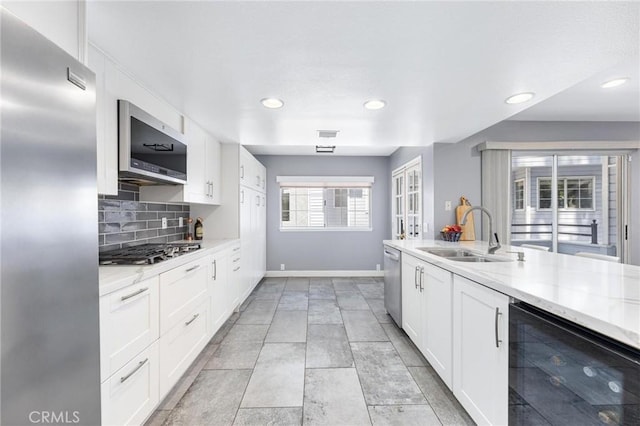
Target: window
(323, 203)
(574, 193)
(518, 194)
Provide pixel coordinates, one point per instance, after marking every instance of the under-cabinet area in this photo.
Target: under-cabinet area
(156, 319)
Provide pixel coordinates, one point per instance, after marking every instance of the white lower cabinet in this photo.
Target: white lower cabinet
(412, 306)
(427, 312)
(180, 289)
(128, 324)
(218, 289)
(237, 281)
(437, 322)
(131, 393)
(480, 351)
(152, 331)
(180, 346)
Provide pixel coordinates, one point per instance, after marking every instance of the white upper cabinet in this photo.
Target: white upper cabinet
(203, 172)
(62, 22)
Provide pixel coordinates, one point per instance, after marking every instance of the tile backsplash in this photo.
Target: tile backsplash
(125, 221)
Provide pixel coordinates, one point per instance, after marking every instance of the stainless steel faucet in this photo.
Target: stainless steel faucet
(493, 246)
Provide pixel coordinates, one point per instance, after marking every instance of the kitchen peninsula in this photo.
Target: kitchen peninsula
(463, 315)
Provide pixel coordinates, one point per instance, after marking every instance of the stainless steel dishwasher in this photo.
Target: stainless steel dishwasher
(393, 283)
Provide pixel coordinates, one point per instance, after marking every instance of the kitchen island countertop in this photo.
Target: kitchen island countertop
(599, 295)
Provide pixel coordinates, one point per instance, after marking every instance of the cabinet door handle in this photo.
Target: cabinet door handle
(134, 294)
(263, 183)
(415, 276)
(242, 196)
(258, 200)
(264, 201)
(193, 268)
(215, 269)
(138, 367)
(242, 172)
(236, 269)
(258, 181)
(498, 341)
(421, 278)
(192, 319)
(236, 248)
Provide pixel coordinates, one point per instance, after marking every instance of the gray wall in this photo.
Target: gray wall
(457, 166)
(327, 250)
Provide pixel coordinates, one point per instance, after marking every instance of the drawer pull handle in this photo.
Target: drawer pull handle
(193, 268)
(236, 249)
(192, 319)
(236, 269)
(134, 294)
(215, 269)
(236, 259)
(138, 367)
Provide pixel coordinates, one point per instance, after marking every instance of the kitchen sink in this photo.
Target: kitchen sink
(464, 255)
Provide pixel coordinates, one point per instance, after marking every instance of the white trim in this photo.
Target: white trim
(560, 145)
(325, 181)
(279, 274)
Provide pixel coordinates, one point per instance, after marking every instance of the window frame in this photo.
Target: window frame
(326, 183)
(564, 179)
(524, 195)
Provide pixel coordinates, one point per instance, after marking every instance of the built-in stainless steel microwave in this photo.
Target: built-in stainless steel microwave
(149, 150)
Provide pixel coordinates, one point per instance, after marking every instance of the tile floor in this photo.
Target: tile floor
(311, 351)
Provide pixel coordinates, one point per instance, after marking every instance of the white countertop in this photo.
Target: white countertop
(113, 277)
(599, 295)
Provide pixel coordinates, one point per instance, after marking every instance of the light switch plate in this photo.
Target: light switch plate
(164, 223)
(447, 205)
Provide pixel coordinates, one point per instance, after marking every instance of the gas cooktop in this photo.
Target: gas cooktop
(146, 254)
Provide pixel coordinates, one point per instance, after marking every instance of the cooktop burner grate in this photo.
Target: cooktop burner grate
(146, 254)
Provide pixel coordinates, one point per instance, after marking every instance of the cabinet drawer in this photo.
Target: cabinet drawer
(180, 346)
(131, 394)
(128, 324)
(181, 289)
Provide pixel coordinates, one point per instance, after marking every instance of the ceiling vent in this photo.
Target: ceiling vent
(325, 149)
(327, 133)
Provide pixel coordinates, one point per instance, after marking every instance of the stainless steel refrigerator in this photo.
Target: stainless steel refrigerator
(49, 341)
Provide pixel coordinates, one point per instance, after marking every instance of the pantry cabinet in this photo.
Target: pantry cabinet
(480, 351)
(242, 212)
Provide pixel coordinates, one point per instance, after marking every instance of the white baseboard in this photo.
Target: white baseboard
(279, 274)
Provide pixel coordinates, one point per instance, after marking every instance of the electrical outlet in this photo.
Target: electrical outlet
(282, 266)
(377, 267)
(447, 206)
(181, 221)
(164, 223)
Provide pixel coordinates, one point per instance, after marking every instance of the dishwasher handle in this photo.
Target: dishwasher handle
(391, 256)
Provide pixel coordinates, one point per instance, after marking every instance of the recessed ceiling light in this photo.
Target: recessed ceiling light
(520, 98)
(375, 104)
(272, 103)
(614, 83)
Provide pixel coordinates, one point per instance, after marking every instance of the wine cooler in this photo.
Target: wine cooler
(563, 374)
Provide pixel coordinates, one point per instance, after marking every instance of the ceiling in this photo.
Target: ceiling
(444, 68)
